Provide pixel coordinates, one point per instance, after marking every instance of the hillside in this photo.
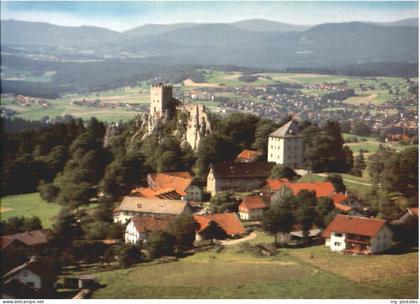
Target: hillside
(249, 43)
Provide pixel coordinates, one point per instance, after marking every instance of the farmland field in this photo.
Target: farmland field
(28, 205)
(233, 273)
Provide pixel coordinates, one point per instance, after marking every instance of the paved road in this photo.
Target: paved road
(249, 237)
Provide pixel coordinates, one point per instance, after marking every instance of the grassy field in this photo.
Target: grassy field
(28, 205)
(233, 273)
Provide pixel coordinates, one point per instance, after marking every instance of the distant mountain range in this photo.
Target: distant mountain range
(248, 43)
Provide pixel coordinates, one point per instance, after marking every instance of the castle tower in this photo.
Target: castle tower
(160, 99)
(285, 146)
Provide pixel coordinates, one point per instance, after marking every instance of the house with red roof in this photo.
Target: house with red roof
(321, 189)
(138, 228)
(218, 226)
(181, 182)
(252, 208)
(156, 192)
(248, 156)
(354, 234)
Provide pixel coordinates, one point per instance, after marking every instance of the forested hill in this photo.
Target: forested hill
(242, 43)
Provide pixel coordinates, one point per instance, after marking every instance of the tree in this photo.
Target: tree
(240, 128)
(264, 128)
(123, 173)
(279, 217)
(325, 210)
(305, 216)
(359, 164)
(400, 173)
(48, 192)
(67, 228)
(214, 148)
(337, 181)
(282, 171)
(377, 164)
(224, 201)
(361, 128)
(128, 255)
(183, 228)
(33, 223)
(160, 244)
(323, 148)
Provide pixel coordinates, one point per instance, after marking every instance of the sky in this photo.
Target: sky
(122, 15)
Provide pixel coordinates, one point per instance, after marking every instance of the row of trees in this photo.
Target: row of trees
(288, 212)
(395, 180)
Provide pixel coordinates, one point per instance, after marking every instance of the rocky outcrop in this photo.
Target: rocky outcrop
(198, 124)
(192, 125)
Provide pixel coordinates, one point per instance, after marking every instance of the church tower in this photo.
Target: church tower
(160, 99)
(285, 146)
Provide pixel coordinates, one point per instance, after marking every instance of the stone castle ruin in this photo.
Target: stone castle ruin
(194, 125)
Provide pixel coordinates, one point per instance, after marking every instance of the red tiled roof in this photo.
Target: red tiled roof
(248, 155)
(164, 193)
(29, 238)
(320, 188)
(251, 202)
(150, 224)
(229, 222)
(276, 184)
(337, 199)
(179, 181)
(414, 211)
(355, 225)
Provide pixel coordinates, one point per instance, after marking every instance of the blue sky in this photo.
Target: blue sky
(119, 15)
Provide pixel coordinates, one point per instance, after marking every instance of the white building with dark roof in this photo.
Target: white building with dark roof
(285, 146)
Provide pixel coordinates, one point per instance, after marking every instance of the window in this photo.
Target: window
(338, 235)
(337, 243)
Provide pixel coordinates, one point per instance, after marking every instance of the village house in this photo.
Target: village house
(148, 207)
(15, 248)
(321, 189)
(35, 274)
(162, 193)
(218, 226)
(34, 240)
(139, 227)
(353, 234)
(285, 146)
(248, 156)
(252, 208)
(240, 177)
(181, 182)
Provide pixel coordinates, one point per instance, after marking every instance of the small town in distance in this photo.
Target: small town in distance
(268, 191)
(181, 150)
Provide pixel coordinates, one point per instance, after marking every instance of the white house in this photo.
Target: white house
(285, 146)
(139, 227)
(354, 234)
(35, 274)
(148, 207)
